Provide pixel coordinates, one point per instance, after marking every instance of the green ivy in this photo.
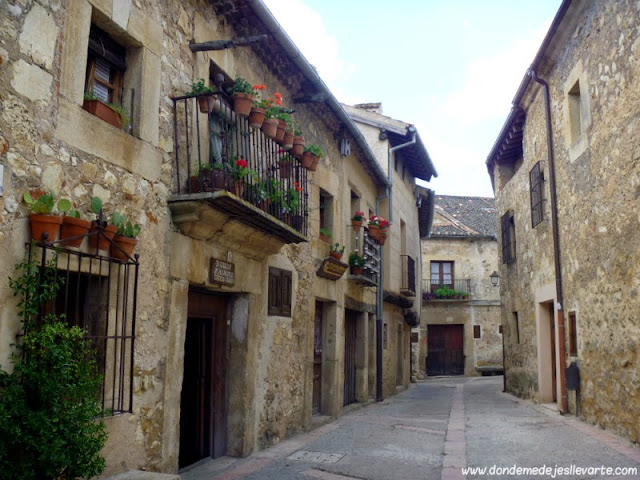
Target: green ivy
(49, 404)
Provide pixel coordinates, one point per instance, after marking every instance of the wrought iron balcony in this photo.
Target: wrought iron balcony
(223, 161)
(436, 290)
(370, 250)
(408, 287)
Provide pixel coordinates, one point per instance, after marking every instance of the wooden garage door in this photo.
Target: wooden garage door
(445, 354)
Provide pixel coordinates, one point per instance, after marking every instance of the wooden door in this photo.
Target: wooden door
(350, 324)
(203, 409)
(317, 360)
(445, 350)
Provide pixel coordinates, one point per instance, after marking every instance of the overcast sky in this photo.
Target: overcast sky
(451, 67)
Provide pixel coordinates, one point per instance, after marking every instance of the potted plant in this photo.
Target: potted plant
(373, 225)
(298, 144)
(336, 251)
(205, 99)
(238, 171)
(111, 113)
(74, 229)
(286, 165)
(284, 118)
(356, 262)
(42, 219)
(356, 220)
(125, 239)
(242, 93)
(100, 233)
(311, 156)
(325, 235)
(287, 140)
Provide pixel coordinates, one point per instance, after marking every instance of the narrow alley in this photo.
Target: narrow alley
(433, 431)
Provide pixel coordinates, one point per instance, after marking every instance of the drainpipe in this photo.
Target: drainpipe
(556, 242)
(379, 310)
(412, 130)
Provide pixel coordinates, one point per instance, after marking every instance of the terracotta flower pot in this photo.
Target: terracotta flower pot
(298, 146)
(49, 224)
(238, 188)
(306, 160)
(256, 117)
(242, 104)
(374, 231)
(356, 224)
(103, 111)
(270, 127)
(286, 168)
(336, 255)
(108, 233)
(206, 103)
(357, 270)
(282, 124)
(73, 227)
(287, 141)
(125, 243)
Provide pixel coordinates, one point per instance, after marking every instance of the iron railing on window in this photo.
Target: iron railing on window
(408, 275)
(459, 289)
(208, 147)
(99, 294)
(371, 254)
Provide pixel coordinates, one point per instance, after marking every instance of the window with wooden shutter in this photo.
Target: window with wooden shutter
(476, 331)
(536, 180)
(106, 64)
(508, 232)
(280, 292)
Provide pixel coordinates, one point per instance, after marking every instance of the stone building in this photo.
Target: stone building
(232, 328)
(565, 171)
(404, 158)
(460, 324)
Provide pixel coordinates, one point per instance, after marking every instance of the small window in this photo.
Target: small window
(516, 325)
(476, 331)
(106, 64)
(326, 211)
(500, 329)
(508, 225)
(441, 274)
(536, 179)
(573, 335)
(280, 290)
(575, 112)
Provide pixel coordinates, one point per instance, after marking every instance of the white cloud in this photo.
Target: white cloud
(312, 38)
(491, 82)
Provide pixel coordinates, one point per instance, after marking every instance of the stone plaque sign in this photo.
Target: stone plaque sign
(332, 269)
(222, 272)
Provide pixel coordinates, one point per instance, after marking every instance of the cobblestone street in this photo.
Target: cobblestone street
(433, 431)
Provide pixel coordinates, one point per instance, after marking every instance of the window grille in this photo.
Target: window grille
(536, 181)
(99, 294)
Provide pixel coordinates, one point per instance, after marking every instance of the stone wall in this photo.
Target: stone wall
(598, 174)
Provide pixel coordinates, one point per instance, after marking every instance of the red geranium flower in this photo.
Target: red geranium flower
(241, 162)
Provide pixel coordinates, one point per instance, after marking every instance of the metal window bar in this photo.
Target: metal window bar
(463, 286)
(229, 137)
(408, 274)
(99, 294)
(371, 254)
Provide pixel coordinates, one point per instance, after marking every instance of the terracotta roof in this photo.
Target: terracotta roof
(464, 217)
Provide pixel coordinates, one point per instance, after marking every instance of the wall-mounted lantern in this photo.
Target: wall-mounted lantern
(495, 279)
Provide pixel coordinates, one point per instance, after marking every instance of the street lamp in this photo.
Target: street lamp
(495, 279)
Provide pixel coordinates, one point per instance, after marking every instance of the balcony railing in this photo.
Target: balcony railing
(437, 290)
(208, 147)
(408, 287)
(370, 250)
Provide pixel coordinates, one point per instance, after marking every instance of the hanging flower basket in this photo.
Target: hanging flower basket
(306, 160)
(282, 125)
(298, 146)
(287, 141)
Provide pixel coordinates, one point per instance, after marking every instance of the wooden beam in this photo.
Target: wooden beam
(224, 44)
